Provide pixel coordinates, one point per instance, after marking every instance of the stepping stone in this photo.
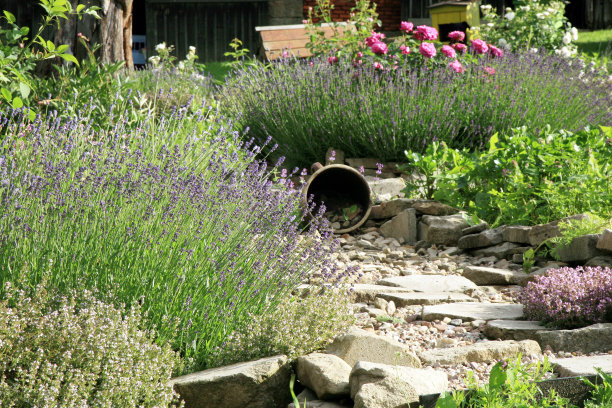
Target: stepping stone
(585, 365)
(596, 337)
(480, 352)
(513, 329)
(407, 299)
(469, 311)
(483, 276)
(429, 283)
(363, 292)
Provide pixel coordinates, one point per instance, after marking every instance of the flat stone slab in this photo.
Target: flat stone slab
(585, 365)
(363, 292)
(480, 352)
(512, 329)
(483, 276)
(407, 299)
(596, 337)
(469, 311)
(430, 283)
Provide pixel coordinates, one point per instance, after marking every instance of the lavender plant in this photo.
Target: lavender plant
(570, 297)
(177, 218)
(307, 106)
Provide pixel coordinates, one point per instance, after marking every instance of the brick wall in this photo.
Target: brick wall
(388, 12)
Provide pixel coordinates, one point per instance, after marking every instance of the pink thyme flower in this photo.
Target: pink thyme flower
(405, 50)
(406, 26)
(379, 48)
(460, 47)
(424, 33)
(456, 66)
(332, 60)
(428, 50)
(496, 52)
(456, 36)
(449, 51)
(480, 46)
(489, 70)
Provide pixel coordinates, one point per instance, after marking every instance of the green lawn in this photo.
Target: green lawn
(595, 42)
(218, 70)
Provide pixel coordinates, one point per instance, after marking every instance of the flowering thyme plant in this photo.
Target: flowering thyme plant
(178, 216)
(570, 297)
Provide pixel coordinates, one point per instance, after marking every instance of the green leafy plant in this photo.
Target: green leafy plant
(19, 52)
(346, 212)
(389, 319)
(238, 53)
(601, 395)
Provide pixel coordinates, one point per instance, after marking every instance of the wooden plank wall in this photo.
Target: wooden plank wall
(208, 26)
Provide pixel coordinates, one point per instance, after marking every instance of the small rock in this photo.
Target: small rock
(475, 229)
(605, 240)
(327, 375)
(517, 233)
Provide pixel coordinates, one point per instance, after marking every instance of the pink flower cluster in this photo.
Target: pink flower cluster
(426, 33)
(481, 47)
(376, 44)
(570, 297)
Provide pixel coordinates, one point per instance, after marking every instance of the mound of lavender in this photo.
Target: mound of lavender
(309, 106)
(194, 231)
(570, 297)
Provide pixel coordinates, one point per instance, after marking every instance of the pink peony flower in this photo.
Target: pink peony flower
(424, 33)
(459, 47)
(406, 26)
(449, 51)
(489, 70)
(456, 66)
(332, 60)
(456, 36)
(378, 65)
(496, 52)
(379, 48)
(480, 46)
(428, 50)
(405, 50)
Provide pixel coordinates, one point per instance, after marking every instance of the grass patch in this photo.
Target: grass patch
(595, 42)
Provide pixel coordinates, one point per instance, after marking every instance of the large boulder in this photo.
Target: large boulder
(402, 227)
(386, 189)
(327, 375)
(255, 384)
(384, 386)
(361, 345)
(542, 232)
(442, 230)
(480, 352)
(605, 240)
(580, 249)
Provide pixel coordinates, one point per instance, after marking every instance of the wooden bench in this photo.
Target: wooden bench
(290, 39)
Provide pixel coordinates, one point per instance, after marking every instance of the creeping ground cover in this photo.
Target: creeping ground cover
(178, 220)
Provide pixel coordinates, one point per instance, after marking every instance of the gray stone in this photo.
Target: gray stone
(475, 229)
(603, 261)
(401, 227)
(499, 251)
(469, 311)
(385, 386)
(361, 345)
(480, 352)
(597, 337)
(256, 384)
(482, 276)
(434, 208)
(407, 299)
(542, 232)
(584, 365)
(580, 249)
(442, 230)
(363, 292)
(326, 374)
(429, 283)
(516, 233)
(512, 329)
(318, 404)
(482, 239)
(389, 209)
(605, 240)
(386, 189)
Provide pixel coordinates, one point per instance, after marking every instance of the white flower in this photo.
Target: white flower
(534, 50)
(574, 32)
(567, 38)
(192, 48)
(525, 8)
(564, 52)
(510, 16)
(154, 60)
(486, 7)
(160, 46)
(181, 65)
(490, 25)
(508, 10)
(540, 16)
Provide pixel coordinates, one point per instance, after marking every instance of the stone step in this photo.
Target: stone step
(513, 329)
(480, 352)
(363, 292)
(469, 311)
(585, 365)
(430, 283)
(407, 299)
(481, 275)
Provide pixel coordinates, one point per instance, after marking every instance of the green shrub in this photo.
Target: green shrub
(526, 177)
(298, 326)
(76, 351)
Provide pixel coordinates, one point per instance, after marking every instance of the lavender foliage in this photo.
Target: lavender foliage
(570, 297)
(309, 106)
(177, 215)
